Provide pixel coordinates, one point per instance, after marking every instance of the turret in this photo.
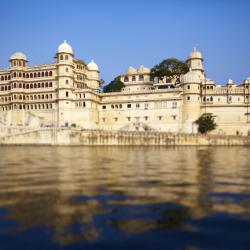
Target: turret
(93, 75)
(191, 84)
(18, 59)
(64, 59)
(195, 61)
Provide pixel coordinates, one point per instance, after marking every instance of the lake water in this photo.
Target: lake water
(124, 198)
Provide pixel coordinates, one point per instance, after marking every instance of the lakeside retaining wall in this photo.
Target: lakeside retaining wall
(67, 136)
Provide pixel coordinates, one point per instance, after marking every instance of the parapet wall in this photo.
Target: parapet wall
(63, 136)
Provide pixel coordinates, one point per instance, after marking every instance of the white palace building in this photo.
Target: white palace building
(66, 93)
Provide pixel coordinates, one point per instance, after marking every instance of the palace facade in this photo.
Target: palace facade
(66, 92)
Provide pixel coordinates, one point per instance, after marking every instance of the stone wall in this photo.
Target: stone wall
(67, 136)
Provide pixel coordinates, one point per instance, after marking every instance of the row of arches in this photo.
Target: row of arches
(26, 86)
(26, 97)
(28, 106)
(27, 75)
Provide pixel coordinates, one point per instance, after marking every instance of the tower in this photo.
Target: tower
(16, 87)
(93, 75)
(195, 61)
(191, 85)
(65, 66)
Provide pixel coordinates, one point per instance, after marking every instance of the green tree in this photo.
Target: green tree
(206, 123)
(170, 68)
(115, 85)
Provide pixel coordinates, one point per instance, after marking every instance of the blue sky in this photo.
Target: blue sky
(120, 33)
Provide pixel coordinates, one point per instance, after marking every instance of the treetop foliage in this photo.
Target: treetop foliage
(170, 68)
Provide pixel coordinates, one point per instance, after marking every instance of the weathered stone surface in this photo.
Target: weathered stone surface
(64, 136)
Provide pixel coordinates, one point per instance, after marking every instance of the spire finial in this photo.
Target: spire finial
(64, 41)
(194, 49)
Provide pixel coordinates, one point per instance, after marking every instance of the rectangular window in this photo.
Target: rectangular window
(116, 119)
(67, 94)
(103, 119)
(129, 106)
(188, 98)
(137, 105)
(104, 107)
(160, 118)
(145, 118)
(174, 105)
(128, 118)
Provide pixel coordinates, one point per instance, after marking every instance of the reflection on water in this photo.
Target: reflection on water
(124, 198)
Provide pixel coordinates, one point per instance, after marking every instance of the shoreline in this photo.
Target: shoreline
(83, 137)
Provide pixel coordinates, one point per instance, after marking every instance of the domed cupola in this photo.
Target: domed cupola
(131, 70)
(195, 54)
(65, 48)
(92, 65)
(18, 59)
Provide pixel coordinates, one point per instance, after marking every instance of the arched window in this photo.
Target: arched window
(2, 78)
(14, 63)
(46, 73)
(42, 84)
(67, 70)
(35, 86)
(67, 81)
(35, 74)
(38, 85)
(39, 97)
(20, 63)
(133, 79)
(50, 73)
(38, 74)
(47, 106)
(211, 99)
(126, 79)
(9, 77)
(46, 85)
(61, 57)
(67, 94)
(14, 85)
(31, 86)
(27, 75)
(141, 77)
(14, 75)
(24, 75)
(31, 75)
(27, 86)
(20, 74)
(47, 96)
(50, 84)
(31, 97)
(42, 96)
(66, 57)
